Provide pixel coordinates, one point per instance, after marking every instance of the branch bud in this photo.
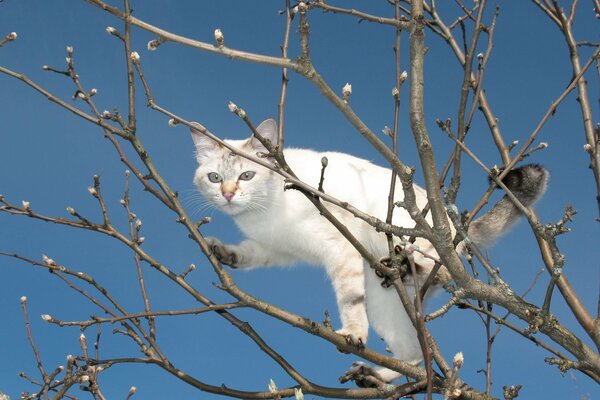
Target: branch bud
(403, 76)
(588, 148)
(458, 360)
(346, 92)
(11, 36)
(172, 122)
(23, 299)
(272, 387)
(48, 260)
(480, 57)
(153, 44)
(111, 30)
(26, 205)
(236, 110)
(135, 57)
(106, 114)
(232, 107)
(298, 394)
(395, 93)
(219, 38)
(93, 191)
(46, 317)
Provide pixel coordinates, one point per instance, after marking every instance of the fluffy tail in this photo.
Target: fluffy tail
(528, 183)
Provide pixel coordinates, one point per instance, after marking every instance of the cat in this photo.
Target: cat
(282, 227)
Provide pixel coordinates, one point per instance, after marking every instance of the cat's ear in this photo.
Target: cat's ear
(268, 130)
(204, 144)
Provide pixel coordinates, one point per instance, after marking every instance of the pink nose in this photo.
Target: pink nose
(228, 195)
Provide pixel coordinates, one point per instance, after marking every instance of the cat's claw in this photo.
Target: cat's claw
(363, 375)
(353, 338)
(223, 254)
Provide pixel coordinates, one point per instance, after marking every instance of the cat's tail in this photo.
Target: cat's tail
(528, 183)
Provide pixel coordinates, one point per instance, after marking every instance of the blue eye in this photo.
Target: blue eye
(246, 176)
(214, 177)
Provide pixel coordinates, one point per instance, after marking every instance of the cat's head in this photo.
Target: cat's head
(232, 183)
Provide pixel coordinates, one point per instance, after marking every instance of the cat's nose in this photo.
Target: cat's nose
(228, 195)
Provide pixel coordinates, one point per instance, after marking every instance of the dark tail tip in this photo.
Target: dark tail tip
(527, 183)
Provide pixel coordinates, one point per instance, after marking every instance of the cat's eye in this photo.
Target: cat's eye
(246, 176)
(214, 177)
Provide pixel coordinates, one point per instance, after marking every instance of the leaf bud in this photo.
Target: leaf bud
(403, 76)
(458, 359)
(135, 57)
(219, 37)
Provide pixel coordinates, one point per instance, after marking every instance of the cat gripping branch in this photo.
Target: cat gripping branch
(282, 227)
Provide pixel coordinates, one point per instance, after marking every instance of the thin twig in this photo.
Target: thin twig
(284, 75)
(36, 352)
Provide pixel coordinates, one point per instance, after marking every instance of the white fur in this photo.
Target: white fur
(282, 227)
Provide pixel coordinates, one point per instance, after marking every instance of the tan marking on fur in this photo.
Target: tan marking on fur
(229, 187)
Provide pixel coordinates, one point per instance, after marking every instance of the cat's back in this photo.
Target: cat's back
(347, 177)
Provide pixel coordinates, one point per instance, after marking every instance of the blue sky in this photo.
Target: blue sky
(49, 157)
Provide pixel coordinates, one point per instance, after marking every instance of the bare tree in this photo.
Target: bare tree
(477, 285)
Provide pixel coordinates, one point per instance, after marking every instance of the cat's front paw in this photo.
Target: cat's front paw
(224, 253)
(363, 375)
(355, 337)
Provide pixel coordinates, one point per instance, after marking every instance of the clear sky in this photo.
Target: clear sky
(48, 157)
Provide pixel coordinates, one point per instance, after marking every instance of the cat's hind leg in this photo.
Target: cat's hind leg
(345, 269)
(389, 319)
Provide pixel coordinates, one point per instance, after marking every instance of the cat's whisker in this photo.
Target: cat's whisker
(198, 206)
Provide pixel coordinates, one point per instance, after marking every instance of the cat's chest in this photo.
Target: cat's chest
(292, 231)
(265, 227)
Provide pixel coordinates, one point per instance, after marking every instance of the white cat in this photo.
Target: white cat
(283, 227)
